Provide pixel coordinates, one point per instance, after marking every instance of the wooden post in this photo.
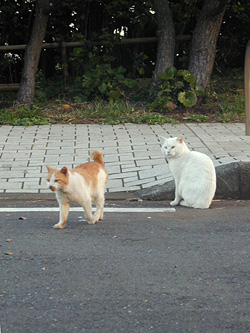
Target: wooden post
(247, 87)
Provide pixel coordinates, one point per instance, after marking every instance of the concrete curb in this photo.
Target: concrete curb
(44, 199)
(233, 182)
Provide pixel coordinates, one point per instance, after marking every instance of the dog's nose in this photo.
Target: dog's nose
(52, 188)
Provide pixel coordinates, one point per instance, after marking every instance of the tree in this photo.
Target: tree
(166, 35)
(204, 40)
(95, 20)
(32, 53)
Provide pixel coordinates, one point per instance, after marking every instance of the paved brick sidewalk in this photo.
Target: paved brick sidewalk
(131, 152)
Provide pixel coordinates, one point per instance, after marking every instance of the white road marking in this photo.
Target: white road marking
(80, 209)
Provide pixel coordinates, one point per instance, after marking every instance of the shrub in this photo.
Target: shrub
(175, 86)
(106, 82)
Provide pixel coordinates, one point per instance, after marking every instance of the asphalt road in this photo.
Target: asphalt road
(186, 271)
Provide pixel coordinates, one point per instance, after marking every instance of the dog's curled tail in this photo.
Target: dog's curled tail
(97, 157)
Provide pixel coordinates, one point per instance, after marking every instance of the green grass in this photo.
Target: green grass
(20, 115)
(98, 111)
(197, 118)
(225, 97)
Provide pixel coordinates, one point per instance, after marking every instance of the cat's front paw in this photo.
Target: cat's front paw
(59, 226)
(92, 221)
(174, 203)
(95, 218)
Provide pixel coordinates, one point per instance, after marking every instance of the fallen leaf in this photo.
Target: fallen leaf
(171, 105)
(9, 253)
(8, 240)
(66, 107)
(22, 218)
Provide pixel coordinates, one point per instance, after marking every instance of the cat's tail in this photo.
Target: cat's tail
(97, 157)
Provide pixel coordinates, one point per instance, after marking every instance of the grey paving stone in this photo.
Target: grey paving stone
(12, 174)
(148, 162)
(155, 171)
(153, 183)
(124, 189)
(31, 181)
(113, 169)
(36, 162)
(115, 183)
(123, 175)
(124, 164)
(13, 186)
(142, 181)
(125, 168)
(111, 158)
(32, 174)
(130, 151)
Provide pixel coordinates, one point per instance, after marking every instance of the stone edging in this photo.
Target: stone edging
(233, 182)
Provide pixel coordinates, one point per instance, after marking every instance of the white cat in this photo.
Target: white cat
(82, 185)
(193, 172)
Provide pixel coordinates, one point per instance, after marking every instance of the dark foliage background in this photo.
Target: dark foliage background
(96, 20)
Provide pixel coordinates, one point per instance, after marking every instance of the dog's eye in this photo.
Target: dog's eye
(173, 147)
(56, 180)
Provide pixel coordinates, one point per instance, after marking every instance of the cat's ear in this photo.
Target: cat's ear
(51, 170)
(180, 139)
(162, 138)
(64, 171)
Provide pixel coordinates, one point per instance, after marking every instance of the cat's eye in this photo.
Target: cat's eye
(173, 147)
(56, 180)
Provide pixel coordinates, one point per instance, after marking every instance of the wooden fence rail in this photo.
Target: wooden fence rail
(64, 45)
(143, 40)
(9, 86)
(79, 44)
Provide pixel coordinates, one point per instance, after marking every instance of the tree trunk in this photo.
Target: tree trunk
(32, 53)
(166, 35)
(204, 40)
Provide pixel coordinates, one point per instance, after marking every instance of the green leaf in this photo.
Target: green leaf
(187, 76)
(179, 85)
(121, 70)
(163, 76)
(170, 72)
(187, 98)
(141, 71)
(103, 88)
(199, 90)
